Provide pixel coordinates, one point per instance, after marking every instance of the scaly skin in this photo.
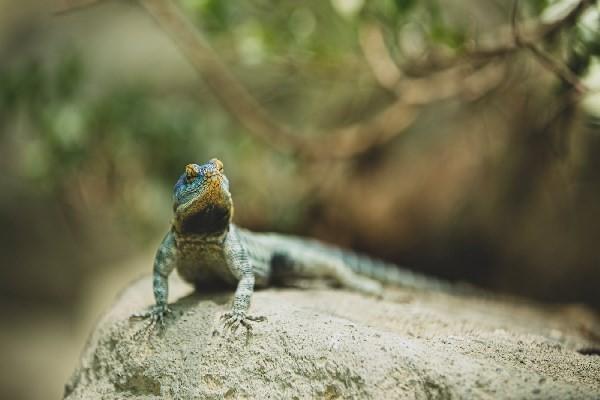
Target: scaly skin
(207, 249)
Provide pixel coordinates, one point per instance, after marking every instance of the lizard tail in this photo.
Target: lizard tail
(296, 255)
(389, 273)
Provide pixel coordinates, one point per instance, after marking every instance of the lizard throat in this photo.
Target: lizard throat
(209, 220)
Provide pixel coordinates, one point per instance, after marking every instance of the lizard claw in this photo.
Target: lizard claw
(233, 320)
(155, 315)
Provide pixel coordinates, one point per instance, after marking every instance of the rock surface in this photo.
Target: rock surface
(325, 343)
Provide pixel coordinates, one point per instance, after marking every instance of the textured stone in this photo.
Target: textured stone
(331, 344)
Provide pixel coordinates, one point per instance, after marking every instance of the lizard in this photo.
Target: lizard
(207, 248)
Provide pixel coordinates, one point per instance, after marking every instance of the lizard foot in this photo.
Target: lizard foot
(234, 319)
(155, 316)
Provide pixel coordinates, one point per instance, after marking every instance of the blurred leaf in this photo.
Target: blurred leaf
(440, 32)
(212, 15)
(536, 6)
(347, 8)
(68, 75)
(588, 31)
(404, 6)
(35, 159)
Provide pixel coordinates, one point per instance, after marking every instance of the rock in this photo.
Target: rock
(326, 343)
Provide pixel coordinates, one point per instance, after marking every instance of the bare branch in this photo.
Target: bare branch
(558, 68)
(456, 81)
(530, 32)
(451, 82)
(378, 57)
(546, 60)
(232, 95)
(67, 6)
(345, 142)
(516, 32)
(357, 138)
(235, 98)
(502, 42)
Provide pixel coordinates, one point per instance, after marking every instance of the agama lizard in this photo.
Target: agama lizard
(206, 248)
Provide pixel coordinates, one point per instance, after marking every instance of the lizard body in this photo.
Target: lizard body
(207, 249)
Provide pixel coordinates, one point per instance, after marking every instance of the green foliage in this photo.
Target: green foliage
(536, 6)
(301, 59)
(404, 6)
(213, 15)
(109, 141)
(440, 31)
(583, 43)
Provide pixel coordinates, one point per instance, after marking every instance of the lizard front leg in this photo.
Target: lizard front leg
(164, 263)
(237, 260)
(241, 302)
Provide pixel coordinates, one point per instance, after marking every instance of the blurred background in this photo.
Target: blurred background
(459, 138)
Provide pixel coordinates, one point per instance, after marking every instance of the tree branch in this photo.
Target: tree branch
(377, 55)
(436, 86)
(340, 143)
(232, 95)
(545, 59)
(502, 43)
(67, 6)
(344, 142)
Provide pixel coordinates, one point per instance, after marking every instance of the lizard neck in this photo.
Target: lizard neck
(212, 220)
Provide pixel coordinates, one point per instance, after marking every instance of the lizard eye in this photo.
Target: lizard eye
(191, 171)
(218, 164)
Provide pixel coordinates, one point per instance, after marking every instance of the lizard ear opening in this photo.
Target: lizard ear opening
(191, 171)
(217, 163)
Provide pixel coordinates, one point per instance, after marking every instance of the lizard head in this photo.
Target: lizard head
(201, 199)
